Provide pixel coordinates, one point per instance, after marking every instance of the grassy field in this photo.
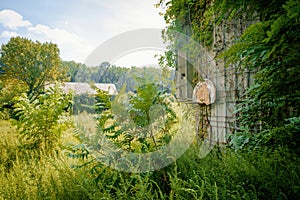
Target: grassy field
(223, 174)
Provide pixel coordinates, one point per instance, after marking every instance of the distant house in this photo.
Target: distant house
(85, 88)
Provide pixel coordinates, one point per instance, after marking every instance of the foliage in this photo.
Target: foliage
(141, 122)
(30, 63)
(7, 93)
(224, 174)
(147, 124)
(268, 114)
(8, 144)
(151, 104)
(270, 110)
(220, 175)
(268, 117)
(103, 100)
(42, 121)
(168, 59)
(120, 76)
(197, 18)
(72, 69)
(83, 103)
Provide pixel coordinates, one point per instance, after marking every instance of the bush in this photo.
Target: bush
(42, 121)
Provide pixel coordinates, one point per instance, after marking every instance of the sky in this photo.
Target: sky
(79, 26)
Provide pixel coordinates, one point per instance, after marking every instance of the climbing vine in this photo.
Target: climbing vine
(269, 113)
(270, 110)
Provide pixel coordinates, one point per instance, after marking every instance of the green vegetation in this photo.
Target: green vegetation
(120, 76)
(271, 46)
(269, 111)
(220, 175)
(41, 122)
(31, 64)
(45, 153)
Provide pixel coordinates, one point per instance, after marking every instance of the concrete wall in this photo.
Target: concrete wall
(218, 119)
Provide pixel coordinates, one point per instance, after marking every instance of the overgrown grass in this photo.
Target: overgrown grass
(223, 174)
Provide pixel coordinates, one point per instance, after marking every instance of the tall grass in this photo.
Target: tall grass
(228, 175)
(223, 174)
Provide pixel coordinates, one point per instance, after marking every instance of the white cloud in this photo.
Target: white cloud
(8, 34)
(84, 26)
(71, 45)
(133, 14)
(105, 19)
(12, 19)
(54, 34)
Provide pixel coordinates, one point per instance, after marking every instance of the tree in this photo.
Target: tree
(31, 64)
(72, 69)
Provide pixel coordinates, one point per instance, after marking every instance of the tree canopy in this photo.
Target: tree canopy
(30, 63)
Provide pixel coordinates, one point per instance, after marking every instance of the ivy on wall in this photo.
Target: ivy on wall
(269, 114)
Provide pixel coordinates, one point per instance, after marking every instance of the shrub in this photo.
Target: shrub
(42, 121)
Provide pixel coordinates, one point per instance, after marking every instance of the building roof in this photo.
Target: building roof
(83, 88)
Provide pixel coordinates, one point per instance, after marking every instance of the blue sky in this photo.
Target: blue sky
(76, 26)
